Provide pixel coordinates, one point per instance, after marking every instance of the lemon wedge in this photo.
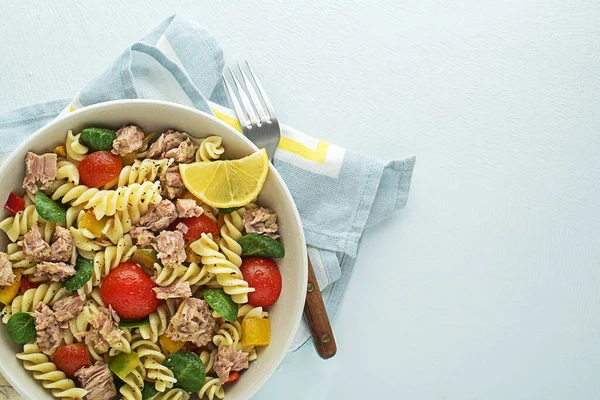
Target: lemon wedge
(227, 183)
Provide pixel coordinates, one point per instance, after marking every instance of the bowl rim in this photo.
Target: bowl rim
(21, 386)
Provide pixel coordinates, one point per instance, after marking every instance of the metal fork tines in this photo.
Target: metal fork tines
(249, 101)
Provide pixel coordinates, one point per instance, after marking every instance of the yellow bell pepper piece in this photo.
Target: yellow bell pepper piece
(170, 345)
(90, 223)
(256, 332)
(60, 151)
(128, 159)
(8, 293)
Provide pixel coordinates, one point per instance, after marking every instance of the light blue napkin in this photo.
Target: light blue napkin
(181, 62)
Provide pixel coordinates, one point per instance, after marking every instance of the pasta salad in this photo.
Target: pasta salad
(138, 265)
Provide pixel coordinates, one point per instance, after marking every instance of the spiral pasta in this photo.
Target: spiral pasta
(75, 150)
(159, 320)
(212, 388)
(152, 358)
(227, 274)
(249, 311)
(79, 325)
(229, 334)
(45, 371)
(22, 222)
(27, 302)
(172, 394)
(17, 257)
(108, 202)
(119, 225)
(231, 231)
(108, 259)
(210, 149)
(145, 170)
(134, 383)
(194, 274)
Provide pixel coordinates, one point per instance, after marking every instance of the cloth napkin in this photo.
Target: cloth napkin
(181, 62)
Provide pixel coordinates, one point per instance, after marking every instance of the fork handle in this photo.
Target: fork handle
(317, 319)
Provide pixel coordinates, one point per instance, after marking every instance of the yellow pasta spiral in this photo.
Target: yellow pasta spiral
(108, 202)
(152, 358)
(213, 388)
(159, 320)
(227, 273)
(27, 302)
(75, 150)
(210, 149)
(145, 170)
(172, 394)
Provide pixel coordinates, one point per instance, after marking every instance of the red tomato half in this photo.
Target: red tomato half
(70, 358)
(129, 291)
(26, 284)
(197, 226)
(99, 168)
(263, 275)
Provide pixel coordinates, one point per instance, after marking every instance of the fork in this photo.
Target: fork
(262, 128)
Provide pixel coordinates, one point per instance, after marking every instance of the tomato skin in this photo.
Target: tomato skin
(196, 227)
(129, 291)
(14, 203)
(70, 358)
(99, 168)
(26, 284)
(263, 275)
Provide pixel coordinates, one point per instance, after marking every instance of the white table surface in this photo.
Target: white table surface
(487, 285)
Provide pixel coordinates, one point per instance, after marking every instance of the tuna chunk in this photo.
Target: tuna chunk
(229, 359)
(172, 183)
(183, 228)
(98, 381)
(171, 248)
(104, 331)
(55, 271)
(7, 277)
(143, 236)
(174, 145)
(177, 290)
(63, 248)
(40, 171)
(49, 333)
(193, 322)
(68, 308)
(34, 247)
(129, 139)
(262, 221)
(160, 216)
(187, 208)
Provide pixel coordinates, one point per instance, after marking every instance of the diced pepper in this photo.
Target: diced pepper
(123, 363)
(145, 258)
(8, 293)
(170, 345)
(191, 256)
(90, 223)
(14, 204)
(26, 284)
(233, 376)
(256, 332)
(60, 151)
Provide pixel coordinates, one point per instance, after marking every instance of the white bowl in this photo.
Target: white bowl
(159, 116)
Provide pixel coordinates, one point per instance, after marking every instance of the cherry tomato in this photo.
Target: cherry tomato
(14, 204)
(129, 291)
(233, 376)
(70, 358)
(26, 284)
(263, 275)
(197, 226)
(99, 168)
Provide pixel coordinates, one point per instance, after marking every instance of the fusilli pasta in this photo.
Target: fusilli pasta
(108, 202)
(152, 358)
(212, 388)
(45, 371)
(210, 149)
(27, 302)
(173, 394)
(141, 171)
(227, 274)
(159, 321)
(75, 150)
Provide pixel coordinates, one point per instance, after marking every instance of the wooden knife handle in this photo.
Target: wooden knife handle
(317, 319)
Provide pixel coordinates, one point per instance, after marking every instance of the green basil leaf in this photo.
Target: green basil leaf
(21, 328)
(134, 323)
(254, 244)
(48, 209)
(85, 269)
(189, 370)
(149, 390)
(97, 138)
(221, 302)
